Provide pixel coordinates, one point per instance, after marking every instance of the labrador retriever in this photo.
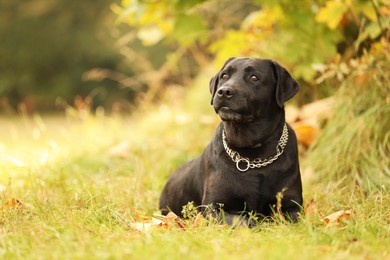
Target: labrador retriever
(250, 168)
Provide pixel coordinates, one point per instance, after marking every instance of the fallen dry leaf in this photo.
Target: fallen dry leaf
(172, 217)
(157, 222)
(146, 225)
(17, 204)
(337, 216)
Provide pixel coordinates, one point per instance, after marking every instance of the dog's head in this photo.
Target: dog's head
(247, 89)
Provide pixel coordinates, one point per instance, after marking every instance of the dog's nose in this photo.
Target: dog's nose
(225, 92)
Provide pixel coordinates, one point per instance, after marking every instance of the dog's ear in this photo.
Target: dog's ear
(286, 85)
(215, 80)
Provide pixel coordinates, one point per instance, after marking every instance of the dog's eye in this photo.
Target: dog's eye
(254, 78)
(224, 76)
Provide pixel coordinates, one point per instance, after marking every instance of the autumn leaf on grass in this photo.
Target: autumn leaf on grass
(147, 225)
(144, 227)
(173, 218)
(337, 217)
(17, 204)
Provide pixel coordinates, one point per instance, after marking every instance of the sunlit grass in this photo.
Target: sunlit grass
(83, 181)
(354, 146)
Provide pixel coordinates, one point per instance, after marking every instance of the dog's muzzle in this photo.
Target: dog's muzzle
(225, 92)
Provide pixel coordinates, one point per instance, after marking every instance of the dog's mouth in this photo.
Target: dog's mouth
(228, 114)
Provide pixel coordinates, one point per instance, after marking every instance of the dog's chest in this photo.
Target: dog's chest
(241, 191)
(246, 185)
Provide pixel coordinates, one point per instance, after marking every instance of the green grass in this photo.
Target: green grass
(84, 197)
(354, 146)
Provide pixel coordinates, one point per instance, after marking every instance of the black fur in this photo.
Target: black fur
(252, 113)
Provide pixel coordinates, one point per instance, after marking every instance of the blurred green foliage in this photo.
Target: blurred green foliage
(46, 46)
(60, 48)
(333, 47)
(302, 35)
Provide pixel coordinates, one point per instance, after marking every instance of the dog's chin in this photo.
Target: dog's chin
(227, 114)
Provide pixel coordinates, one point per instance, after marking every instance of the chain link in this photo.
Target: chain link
(256, 163)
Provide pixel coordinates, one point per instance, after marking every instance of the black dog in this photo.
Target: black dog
(253, 156)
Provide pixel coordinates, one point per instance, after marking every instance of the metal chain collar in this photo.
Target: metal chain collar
(256, 163)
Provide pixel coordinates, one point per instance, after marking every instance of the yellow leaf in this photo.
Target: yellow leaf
(370, 13)
(265, 18)
(233, 44)
(332, 13)
(150, 35)
(116, 9)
